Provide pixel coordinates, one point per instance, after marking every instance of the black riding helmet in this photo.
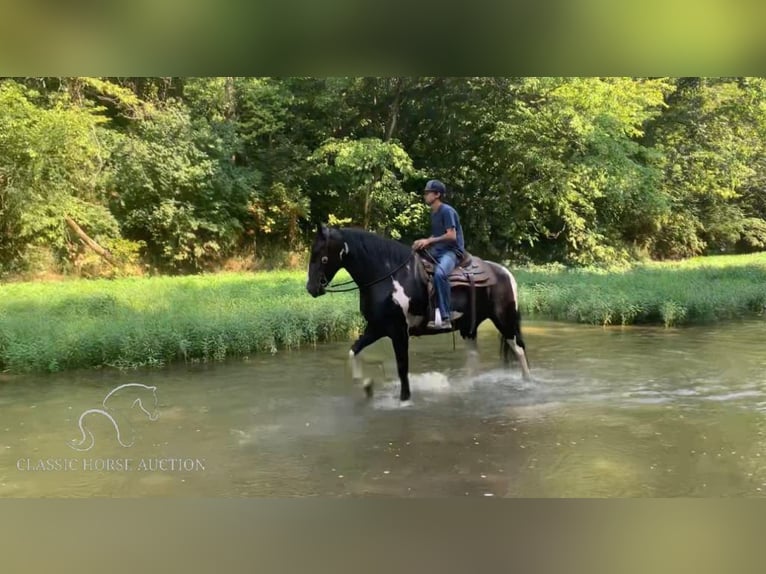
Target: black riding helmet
(436, 186)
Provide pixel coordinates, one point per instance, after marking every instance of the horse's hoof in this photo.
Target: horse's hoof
(406, 403)
(367, 385)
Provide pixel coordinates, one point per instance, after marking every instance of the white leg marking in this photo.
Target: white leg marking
(356, 367)
(472, 360)
(521, 356)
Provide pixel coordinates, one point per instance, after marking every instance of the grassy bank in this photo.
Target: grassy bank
(694, 291)
(129, 323)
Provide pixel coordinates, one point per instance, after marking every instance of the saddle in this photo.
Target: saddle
(469, 271)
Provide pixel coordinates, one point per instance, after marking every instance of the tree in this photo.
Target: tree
(52, 154)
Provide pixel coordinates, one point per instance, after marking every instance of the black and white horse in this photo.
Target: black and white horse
(394, 295)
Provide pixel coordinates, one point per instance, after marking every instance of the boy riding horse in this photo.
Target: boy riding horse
(446, 246)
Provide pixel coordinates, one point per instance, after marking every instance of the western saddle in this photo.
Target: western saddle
(470, 271)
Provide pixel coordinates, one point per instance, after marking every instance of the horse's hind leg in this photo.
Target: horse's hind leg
(369, 336)
(520, 350)
(510, 329)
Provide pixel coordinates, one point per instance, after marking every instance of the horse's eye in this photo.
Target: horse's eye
(324, 259)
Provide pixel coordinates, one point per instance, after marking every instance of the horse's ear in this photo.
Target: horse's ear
(322, 230)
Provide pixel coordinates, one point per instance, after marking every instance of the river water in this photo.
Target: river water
(610, 412)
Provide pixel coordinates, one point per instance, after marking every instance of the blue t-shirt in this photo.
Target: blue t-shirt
(441, 220)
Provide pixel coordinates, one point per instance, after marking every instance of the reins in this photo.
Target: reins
(334, 288)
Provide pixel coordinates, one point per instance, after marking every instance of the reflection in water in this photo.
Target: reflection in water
(609, 412)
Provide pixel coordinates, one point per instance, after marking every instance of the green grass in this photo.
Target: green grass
(130, 323)
(695, 291)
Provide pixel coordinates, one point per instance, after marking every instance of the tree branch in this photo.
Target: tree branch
(88, 241)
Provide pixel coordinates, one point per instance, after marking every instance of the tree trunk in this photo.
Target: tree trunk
(394, 110)
(88, 241)
(367, 209)
(231, 99)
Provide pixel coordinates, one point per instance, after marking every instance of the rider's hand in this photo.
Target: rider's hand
(421, 244)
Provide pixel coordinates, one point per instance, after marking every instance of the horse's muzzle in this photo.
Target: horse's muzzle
(315, 291)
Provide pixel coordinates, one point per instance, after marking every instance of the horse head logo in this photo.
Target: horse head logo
(140, 397)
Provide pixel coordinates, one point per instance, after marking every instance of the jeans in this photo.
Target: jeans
(447, 262)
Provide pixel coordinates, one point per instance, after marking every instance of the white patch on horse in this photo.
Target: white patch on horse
(400, 297)
(514, 288)
(344, 250)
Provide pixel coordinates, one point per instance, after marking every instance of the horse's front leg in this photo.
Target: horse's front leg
(401, 341)
(369, 336)
(472, 353)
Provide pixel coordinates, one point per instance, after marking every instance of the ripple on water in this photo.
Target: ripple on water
(734, 396)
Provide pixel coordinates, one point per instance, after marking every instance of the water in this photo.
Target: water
(632, 412)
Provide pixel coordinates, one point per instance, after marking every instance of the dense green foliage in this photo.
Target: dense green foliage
(181, 174)
(132, 322)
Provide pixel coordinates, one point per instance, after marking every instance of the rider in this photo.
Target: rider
(445, 245)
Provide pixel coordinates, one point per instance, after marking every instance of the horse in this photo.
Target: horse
(396, 296)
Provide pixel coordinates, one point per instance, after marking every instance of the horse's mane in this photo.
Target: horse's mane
(374, 246)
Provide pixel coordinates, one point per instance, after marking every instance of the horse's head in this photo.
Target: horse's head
(326, 259)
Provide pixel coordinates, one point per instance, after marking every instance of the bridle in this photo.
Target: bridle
(336, 288)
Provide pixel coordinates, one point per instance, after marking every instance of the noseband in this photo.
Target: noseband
(324, 259)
